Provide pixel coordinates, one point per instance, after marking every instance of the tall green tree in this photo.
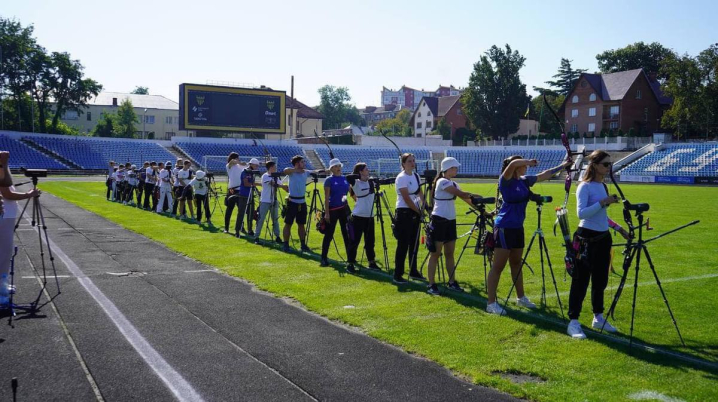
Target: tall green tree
(397, 126)
(334, 105)
(495, 98)
(140, 91)
(539, 112)
(443, 129)
(105, 126)
(649, 57)
(125, 120)
(565, 78)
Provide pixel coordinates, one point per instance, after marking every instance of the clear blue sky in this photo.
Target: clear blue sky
(361, 45)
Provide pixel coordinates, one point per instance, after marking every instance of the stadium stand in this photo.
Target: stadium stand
(197, 151)
(487, 162)
(94, 153)
(24, 156)
(687, 160)
(370, 156)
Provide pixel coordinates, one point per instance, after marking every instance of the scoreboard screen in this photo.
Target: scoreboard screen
(209, 107)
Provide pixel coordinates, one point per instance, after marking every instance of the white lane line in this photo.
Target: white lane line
(199, 270)
(629, 284)
(174, 381)
(49, 276)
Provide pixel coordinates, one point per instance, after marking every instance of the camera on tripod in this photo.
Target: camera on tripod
(540, 199)
(639, 208)
(383, 182)
(315, 177)
(34, 173)
(277, 175)
(429, 174)
(477, 200)
(209, 175)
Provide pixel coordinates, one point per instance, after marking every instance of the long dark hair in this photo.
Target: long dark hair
(504, 165)
(436, 180)
(595, 157)
(404, 158)
(357, 169)
(232, 155)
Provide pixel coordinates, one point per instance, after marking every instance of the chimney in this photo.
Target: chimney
(114, 101)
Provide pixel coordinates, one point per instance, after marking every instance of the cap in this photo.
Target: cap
(449, 162)
(200, 174)
(335, 162)
(254, 161)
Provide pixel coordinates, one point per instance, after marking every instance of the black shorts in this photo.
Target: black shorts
(444, 230)
(187, 193)
(508, 238)
(177, 192)
(296, 211)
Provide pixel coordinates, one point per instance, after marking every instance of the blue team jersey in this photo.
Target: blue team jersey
(244, 190)
(515, 196)
(338, 189)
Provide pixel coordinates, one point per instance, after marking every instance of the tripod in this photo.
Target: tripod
(212, 192)
(481, 224)
(37, 218)
(380, 197)
(543, 249)
(634, 251)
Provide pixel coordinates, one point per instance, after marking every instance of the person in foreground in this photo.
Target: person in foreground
(296, 203)
(409, 201)
(512, 197)
(595, 242)
(443, 223)
(336, 209)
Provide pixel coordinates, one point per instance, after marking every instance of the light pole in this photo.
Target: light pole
(144, 120)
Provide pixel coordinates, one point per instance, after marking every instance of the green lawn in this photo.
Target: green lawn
(456, 332)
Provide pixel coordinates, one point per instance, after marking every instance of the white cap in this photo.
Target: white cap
(200, 175)
(449, 162)
(134, 166)
(335, 162)
(254, 161)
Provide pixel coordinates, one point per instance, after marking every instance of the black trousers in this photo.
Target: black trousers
(362, 227)
(108, 183)
(177, 193)
(406, 233)
(231, 203)
(338, 215)
(246, 208)
(140, 191)
(202, 200)
(593, 267)
(149, 194)
(129, 193)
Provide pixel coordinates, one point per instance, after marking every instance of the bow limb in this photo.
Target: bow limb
(331, 154)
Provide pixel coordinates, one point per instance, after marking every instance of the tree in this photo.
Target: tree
(495, 98)
(105, 126)
(140, 91)
(444, 129)
(539, 112)
(565, 78)
(124, 124)
(649, 57)
(334, 105)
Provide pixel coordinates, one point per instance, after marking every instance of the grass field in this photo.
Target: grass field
(455, 330)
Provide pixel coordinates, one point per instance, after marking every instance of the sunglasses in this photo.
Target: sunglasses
(605, 164)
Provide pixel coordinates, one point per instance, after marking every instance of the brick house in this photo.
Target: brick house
(373, 115)
(407, 97)
(432, 109)
(616, 101)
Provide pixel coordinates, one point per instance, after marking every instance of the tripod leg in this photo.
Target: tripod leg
(635, 292)
(621, 284)
(47, 241)
(665, 300)
(521, 267)
(553, 278)
(542, 247)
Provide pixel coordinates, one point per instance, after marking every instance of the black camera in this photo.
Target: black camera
(314, 176)
(383, 182)
(642, 207)
(209, 175)
(430, 175)
(35, 173)
(479, 200)
(276, 175)
(540, 199)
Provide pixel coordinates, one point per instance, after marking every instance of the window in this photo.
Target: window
(574, 128)
(459, 112)
(645, 114)
(169, 134)
(89, 116)
(168, 120)
(591, 127)
(592, 111)
(428, 124)
(574, 112)
(418, 125)
(70, 115)
(592, 97)
(428, 113)
(574, 99)
(419, 114)
(638, 94)
(613, 125)
(614, 112)
(149, 119)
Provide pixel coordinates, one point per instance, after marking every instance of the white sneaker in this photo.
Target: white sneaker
(495, 308)
(598, 322)
(525, 302)
(575, 331)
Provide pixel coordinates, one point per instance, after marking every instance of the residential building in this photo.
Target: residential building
(373, 115)
(156, 114)
(616, 101)
(526, 127)
(432, 109)
(409, 97)
(306, 120)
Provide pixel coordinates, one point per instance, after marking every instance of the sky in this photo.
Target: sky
(360, 45)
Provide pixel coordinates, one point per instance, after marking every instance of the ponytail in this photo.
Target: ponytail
(436, 180)
(504, 165)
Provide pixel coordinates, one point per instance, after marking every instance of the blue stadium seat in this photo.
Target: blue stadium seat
(686, 160)
(23, 156)
(371, 156)
(487, 162)
(198, 150)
